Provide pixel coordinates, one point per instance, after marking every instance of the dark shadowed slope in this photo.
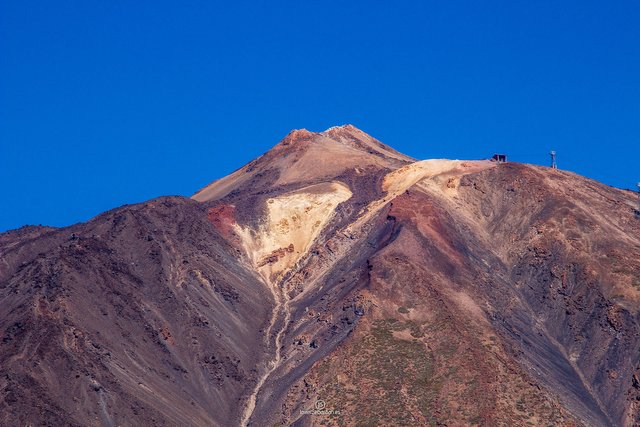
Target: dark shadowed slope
(332, 269)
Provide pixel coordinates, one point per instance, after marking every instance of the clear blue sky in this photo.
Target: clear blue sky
(104, 103)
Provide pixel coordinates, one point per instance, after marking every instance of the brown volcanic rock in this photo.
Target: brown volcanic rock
(332, 273)
(140, 317)
(489, 305)
(307, 157)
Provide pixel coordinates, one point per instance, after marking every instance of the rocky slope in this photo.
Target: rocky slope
(332, 281)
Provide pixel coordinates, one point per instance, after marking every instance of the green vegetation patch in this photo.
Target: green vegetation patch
(390, 378)
(403, 310)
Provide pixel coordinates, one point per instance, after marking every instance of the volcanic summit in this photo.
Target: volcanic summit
(332, 281)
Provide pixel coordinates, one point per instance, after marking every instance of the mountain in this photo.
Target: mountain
(332, 281)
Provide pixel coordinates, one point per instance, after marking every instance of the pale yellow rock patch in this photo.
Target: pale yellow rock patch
(294, 218)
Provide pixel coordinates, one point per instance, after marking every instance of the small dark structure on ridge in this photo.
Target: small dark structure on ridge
(500, 158)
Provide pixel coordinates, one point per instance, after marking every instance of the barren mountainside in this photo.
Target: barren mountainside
(332, 281)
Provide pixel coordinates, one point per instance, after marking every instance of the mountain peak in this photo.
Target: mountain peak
(303, 156)
(297, 135)
(346, 127)
(506, 291)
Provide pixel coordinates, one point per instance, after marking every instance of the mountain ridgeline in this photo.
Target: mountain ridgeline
(332, 281)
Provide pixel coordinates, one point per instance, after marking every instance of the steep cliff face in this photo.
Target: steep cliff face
(332, 281)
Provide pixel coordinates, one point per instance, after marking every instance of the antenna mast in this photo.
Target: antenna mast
(553, 160)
